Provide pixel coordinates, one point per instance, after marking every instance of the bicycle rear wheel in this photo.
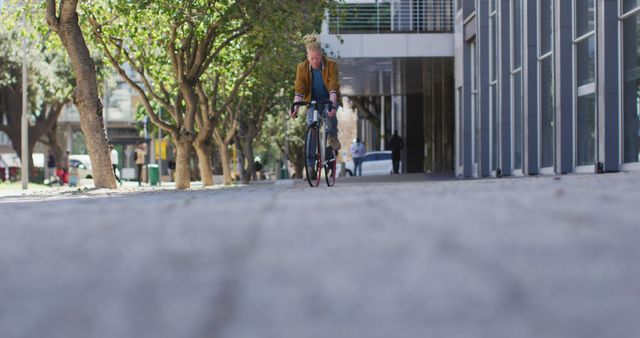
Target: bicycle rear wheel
(312, 155)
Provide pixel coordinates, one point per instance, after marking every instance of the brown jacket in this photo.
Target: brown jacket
(329, 76)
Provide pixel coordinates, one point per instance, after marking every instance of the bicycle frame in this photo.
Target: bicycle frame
(321, 121)
(318, 122)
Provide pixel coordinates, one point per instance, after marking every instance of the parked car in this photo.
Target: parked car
(374, 163)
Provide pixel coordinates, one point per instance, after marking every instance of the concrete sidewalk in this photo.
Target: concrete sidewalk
(553, 257)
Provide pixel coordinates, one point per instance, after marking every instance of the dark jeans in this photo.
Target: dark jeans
(396, 165)
(139, 173)
(357, 166)
(114, 173)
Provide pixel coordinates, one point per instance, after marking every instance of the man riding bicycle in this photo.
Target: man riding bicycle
(317, 80)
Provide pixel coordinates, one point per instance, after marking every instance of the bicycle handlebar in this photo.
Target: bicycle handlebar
(302, 103)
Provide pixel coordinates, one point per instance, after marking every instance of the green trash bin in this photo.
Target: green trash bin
(284, 173)
(154, 174)
(38, 175)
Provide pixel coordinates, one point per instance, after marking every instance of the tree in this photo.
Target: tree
(170, 59)
(265, 96)
(276, 50)
(188, 40)
(64, 21)
(49, 90)
(273, 136)
(221, 105)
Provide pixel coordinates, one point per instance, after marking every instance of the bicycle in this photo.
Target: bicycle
(316, 137)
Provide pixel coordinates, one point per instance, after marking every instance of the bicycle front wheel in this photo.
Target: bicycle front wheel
(312, 154)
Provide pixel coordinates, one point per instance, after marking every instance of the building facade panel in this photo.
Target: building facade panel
(562, 86)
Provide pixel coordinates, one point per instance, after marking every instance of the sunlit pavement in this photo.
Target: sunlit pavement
(401, 256)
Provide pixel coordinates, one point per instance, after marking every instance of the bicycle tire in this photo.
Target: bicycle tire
(330, 170)
(311, 134)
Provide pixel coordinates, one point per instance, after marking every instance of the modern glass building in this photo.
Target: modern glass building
(396, 62)
(529, 86)
(547, 86)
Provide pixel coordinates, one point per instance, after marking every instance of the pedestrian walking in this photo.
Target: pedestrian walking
(257, 166)
(141, 153)
(172, 168)
(64, 164)
(50, 171)
(114, 162)
(73, 177)
(396, 146)
(357, 154)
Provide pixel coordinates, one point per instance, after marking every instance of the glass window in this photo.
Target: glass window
(517, 33)
(517, 120)
(585, 16)
(494, 128)
(586, 60)
(585, 67)
(493, 47)
(631, 98)
(546, 26)
(474, 103)
(516, 85)
(546, 112)
(460, 147)
(586, 130)
(469, 7)
(4, 139)
(493, 66)
(628, 5)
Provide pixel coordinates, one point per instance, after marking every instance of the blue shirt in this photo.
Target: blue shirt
(318, 89)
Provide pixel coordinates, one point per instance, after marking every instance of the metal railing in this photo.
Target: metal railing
(392, 16)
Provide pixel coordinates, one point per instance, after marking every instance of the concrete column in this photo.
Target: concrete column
(482, 50)
(504, 87)
(530, 87)
(563, 75)
(382, 109)
(608, 86)
(466, 125)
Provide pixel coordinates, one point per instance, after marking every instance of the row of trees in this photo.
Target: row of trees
(219, 68)
(50, 88)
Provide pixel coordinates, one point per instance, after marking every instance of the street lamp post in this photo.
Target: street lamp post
(286, 151)
(160, 150)
(24, 172)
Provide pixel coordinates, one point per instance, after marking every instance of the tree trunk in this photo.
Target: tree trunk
(183, 164)
(54, 145)
(224, 159)
(240, 151)
(251, 168)
(86, 93)
(296, 157)
(203, 150)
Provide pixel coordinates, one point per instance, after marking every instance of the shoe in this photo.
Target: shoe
(334, 143)
(330, 154)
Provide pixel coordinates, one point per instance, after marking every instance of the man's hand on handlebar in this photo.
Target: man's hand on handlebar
(294, 112)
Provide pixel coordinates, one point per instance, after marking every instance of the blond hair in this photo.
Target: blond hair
(312, 42)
